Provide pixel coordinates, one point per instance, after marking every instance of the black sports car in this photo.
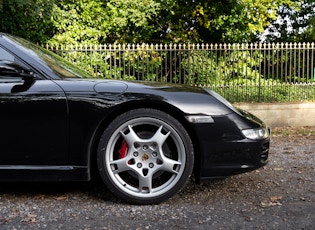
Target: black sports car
(144, 139)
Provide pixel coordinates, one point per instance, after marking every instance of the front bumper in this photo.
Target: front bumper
(239, 158)
(225, 151)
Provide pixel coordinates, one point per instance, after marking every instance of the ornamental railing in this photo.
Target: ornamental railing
(255, 72)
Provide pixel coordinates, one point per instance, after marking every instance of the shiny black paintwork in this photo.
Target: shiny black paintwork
(50, 126)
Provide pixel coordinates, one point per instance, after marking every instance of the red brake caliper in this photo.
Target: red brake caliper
(123, 149)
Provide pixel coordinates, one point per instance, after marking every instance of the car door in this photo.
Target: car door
(33, 116)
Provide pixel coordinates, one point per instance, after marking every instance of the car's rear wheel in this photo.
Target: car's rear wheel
(145, 156)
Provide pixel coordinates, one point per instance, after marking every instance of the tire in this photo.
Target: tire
(145, 156)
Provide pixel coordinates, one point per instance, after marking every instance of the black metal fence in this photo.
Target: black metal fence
(255, 72)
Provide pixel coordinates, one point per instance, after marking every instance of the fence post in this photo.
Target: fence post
(242, 72)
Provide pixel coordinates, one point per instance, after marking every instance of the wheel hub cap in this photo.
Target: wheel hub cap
(145, 157)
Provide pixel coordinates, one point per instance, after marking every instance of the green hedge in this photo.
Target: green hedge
(267, 93)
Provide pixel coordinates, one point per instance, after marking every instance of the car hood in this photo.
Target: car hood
(190, 100)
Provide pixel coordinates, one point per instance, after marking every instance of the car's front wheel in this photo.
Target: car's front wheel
(145, 156)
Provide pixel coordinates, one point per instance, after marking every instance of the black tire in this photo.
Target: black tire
(145, 156)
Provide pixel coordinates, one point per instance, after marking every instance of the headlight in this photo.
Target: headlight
(256, 134)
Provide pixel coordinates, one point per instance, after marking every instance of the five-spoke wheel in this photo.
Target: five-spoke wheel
(145, 156)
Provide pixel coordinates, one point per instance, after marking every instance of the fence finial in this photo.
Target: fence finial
(275, 64)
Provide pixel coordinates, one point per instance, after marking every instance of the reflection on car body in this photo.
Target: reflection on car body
(145, 139)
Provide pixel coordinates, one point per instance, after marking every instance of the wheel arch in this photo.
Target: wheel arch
(132, 105)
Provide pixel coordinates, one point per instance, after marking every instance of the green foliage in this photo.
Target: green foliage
(98, 64)
(207, 68)
(295, 24)
(143, 62)
(304, 22)
(78, 22)
(238, 74)
(31, 19)
(174, 21)
(272, 91)
(99, 22)
(217, 21)
(138, 62)
(130, 21)
(138, 21)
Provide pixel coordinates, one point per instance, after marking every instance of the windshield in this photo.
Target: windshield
(57, 64)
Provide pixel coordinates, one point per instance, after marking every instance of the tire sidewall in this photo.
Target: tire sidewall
(138, 113)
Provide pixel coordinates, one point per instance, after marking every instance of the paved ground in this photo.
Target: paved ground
(279, 196)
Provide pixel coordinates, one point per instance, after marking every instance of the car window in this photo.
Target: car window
(58, 65)
(11, 69)
(5, 55)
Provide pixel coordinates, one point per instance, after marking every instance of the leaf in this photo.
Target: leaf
(271, 202)
(275, 198)
(59, 198)
(31, 218)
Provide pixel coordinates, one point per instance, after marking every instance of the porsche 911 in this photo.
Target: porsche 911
(143, 139)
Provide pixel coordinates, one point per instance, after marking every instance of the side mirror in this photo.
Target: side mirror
(16, 73)
(30, 76)
(13, 69)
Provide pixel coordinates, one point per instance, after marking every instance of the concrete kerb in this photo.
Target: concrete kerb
(283, 114)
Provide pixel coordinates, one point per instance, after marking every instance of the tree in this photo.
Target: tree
(131, 21)
(216, 20)
(309, 34)
(138, 21)
(304, 22)
(294, 25)
(101, 21)
(30, 19)
(79, 21)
